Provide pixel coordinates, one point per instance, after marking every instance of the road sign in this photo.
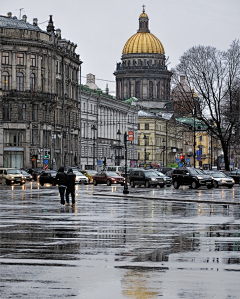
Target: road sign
(232, 157)
(177, 160)
(180, 165)
(46, 161)
(46, 167)
(199, 153)
(130, 135)
(99, 162)
(198, 158)
(187, 160)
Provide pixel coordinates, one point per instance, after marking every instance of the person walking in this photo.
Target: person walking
(71, 187)
(62, 181)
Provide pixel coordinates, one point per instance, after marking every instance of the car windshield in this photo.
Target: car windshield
(13, 171)
(111, 173)
(24, 172)
(91, 172)
(149, 174)
(160, 174)
(196, 171)
(218, 175)
(78, 173)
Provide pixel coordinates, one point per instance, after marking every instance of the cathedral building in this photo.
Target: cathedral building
(143, 72)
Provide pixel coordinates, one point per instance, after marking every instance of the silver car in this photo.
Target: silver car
(220, 179)
(80, 178)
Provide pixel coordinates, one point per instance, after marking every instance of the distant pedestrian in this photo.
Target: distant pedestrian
(62, 181)
(71, 186)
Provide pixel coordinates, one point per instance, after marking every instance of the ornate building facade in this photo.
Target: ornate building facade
(143, 72)
(39, 95)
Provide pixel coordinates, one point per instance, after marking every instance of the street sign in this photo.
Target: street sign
(177, 160)
(46, 161)
(199, 153)
(187, 160)
(180, 165)
(46, 167)
(198, 158)
(99, 162)
(232, 157)
(130, 135)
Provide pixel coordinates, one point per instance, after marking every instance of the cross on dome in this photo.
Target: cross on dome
(144, 8)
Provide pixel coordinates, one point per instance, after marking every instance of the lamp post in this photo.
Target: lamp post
(125, 189)
(118, 159)
(93, 128)
(145, 149)
(163, 141)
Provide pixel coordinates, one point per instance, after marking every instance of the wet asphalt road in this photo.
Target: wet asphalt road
(145, 245)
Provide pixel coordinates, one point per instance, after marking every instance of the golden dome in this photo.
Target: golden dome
(143, 15)
(143, 42)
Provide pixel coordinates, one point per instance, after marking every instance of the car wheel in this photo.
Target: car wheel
(229, 187)
(8, 182)
(215, 184)
(132, 184)
(41, 184)
(161, 186)
(147, 184)
(176, 184)
(122, 184)
(194, 185)
(209, 186)
(94, 182)
(109, 183)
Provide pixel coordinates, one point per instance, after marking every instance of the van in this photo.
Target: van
(11, 176)
(117, 169)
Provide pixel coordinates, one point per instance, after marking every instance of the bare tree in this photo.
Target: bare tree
(214, 75)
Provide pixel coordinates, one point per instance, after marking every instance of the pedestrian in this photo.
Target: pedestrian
(62, 181)
(71, 187)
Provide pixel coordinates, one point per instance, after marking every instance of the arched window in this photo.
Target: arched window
(137, 93)
(150, 90)
(32, 82)
(5, 81)
(20, 81)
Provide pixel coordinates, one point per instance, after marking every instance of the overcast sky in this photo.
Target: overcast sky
(100, 28)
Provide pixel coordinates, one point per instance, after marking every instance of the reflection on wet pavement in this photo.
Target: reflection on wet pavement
(118, 247)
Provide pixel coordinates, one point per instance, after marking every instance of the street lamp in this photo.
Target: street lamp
(93, 128)
(145, 153)
(163, 141)
(125, 189)
(118, 159)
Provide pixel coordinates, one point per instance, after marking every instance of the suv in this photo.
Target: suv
(48, 177)
(145, 177)
(191, 177)
(11, 176)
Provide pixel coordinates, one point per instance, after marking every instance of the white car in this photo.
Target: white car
(220, 179)
(80, 178)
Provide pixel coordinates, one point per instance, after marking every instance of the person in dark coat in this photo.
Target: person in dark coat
(62, 181)
(71, 186)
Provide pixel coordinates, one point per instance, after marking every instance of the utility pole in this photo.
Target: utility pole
(125, 189)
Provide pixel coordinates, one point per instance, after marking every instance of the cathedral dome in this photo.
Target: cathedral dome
(143, 41)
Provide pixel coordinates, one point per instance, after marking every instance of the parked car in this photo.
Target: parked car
(169, 173)
(35, 172)
(27, 176)
(108, 177)
(11, 176)
(89, 174)
(48, 177)
(167, 180)
(165, 169)
(235, 174)
(191, 177)
(220, 179)
(129, 170)
(80, 177)
(145, 177)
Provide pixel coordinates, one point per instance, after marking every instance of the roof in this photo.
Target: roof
(190, 122)
(142, 113)
(14, 23)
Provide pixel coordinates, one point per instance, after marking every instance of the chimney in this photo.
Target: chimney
(24, 18)
(35, 22)
(9, 14)
(90, 78)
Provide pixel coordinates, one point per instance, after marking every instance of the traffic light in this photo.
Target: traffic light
(182, 159)
(47, 155)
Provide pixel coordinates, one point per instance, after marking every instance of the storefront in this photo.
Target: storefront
(13, 157)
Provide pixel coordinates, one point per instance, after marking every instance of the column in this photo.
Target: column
(154, 89)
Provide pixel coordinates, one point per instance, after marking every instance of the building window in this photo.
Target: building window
(146, 126)
(5, 81)
(34, 136)
(20, 81)
(6, 111)
(13, 138)
(21, 111)
(129, 89)
(32, 82)
(151, 90)
(20, 59)
(5, 58)
(33, 60)
(42, 81)
(35, 112)
(158, 90)
(138, 126)
(137, 93)
(56, 66)
(200, 138)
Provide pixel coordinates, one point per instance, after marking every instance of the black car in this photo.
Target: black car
(48, 177)
(35, 172)
(26, 175)
(191, 177)
(167, 180)
(145, 177)
(235, 174)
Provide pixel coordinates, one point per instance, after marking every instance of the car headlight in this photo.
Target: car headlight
(153, 179)
(223, 181)
(12, 178)
(233, 181)
(200, 177)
